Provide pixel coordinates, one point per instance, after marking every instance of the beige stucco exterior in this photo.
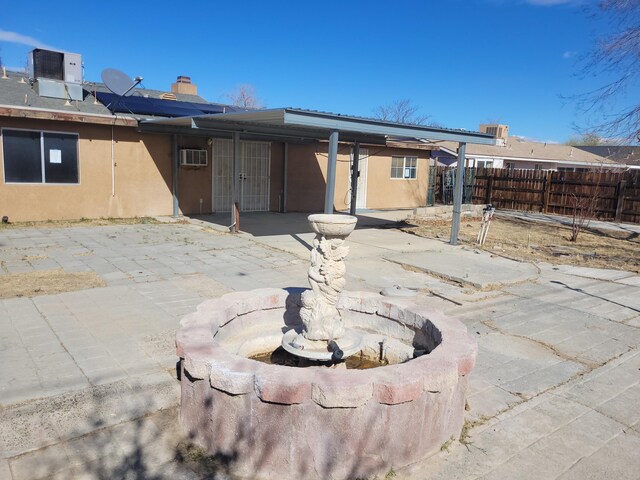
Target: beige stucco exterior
(141, 176)
(307, 174)
(139, 180)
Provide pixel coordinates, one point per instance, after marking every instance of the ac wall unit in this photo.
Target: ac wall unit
(193, 158)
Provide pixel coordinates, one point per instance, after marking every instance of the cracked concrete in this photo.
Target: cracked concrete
(91, 386)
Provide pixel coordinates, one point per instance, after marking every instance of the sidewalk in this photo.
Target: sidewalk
(91, 390)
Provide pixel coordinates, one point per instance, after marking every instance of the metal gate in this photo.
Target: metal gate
(253, 175)
(449, 181)
(431, 188)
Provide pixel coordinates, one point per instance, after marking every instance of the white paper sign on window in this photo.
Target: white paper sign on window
(407, 173)
(55, 156)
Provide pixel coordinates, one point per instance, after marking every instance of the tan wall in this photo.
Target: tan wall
(277, 181)
(142, 176)
(386, 192)
(194, 183)
(308, 171)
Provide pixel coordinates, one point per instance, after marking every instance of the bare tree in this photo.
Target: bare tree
(244, 96)
(617, 56)
(584, 207)
(589, 138)
(401, 111)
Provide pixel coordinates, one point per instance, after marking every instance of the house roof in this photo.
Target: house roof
(627, 155)
(517, 148)
(17, 91)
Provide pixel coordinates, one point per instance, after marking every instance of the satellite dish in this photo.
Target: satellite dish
(119, 82)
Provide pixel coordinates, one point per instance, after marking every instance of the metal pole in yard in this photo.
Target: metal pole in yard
(457, 195)
(331, 173)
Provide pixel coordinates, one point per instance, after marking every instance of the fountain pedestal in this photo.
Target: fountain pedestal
(324, 334)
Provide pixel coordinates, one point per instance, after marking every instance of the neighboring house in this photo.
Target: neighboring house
(516, 152)
(71, 149)
(628, 156)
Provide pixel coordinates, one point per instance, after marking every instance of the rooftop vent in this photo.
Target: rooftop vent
(168, 96)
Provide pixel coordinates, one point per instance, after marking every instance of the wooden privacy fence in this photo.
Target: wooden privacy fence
(613, 195)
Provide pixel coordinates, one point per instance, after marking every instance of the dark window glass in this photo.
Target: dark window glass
(21, 153)
(60, 158)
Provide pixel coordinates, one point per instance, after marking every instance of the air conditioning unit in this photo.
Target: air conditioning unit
(190, 157)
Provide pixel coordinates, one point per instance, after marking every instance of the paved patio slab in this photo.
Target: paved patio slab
(92, 392)
(468, 267)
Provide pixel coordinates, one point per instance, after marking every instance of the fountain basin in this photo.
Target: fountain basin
(332, 225)
(274, 421)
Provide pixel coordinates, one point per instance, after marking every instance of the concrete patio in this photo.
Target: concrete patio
(89, 377)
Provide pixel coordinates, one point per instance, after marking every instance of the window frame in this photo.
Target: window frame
(404, 167)
(42, 156)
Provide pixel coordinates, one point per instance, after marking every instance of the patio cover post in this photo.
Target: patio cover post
(175, 169)
(235, 183)
(458, 193)
(355, 173)
(331, 172)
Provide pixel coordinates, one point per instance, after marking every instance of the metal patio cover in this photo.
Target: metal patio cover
(298, 124)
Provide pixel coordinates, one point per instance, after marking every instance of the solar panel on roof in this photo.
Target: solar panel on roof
(154, 106)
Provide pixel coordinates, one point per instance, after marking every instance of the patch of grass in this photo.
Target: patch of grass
(465, 436)
(90, 222)
(445, 446)
(46, 282)
(532, 241)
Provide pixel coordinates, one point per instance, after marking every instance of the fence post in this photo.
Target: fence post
(620, 199)
(490, 187)
(546, 192)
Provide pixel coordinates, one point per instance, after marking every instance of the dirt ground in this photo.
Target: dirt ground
(539, 242)
(89, 222)
(46, 282)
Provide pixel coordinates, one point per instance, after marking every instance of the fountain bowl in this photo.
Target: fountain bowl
(332, 225)
(317, 422)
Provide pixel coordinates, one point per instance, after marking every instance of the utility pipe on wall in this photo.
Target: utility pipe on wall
(113, 164)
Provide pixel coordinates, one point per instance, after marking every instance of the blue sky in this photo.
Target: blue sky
(464, 62)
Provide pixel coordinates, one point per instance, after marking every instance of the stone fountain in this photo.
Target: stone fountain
(317, 419)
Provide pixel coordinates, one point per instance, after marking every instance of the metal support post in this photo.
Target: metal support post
(458, 193)
(175, 164)
(355, 173)
(235, 184)
(331, 173)
(285, 178)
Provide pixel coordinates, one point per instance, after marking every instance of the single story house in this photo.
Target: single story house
(516, 152)
(627, 155)
(71, 149)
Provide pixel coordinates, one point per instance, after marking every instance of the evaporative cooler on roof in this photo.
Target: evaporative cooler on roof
(48, 64)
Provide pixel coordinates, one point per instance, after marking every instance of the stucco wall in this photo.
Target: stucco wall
(308, 172)
(194, 183)
(142, 176)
